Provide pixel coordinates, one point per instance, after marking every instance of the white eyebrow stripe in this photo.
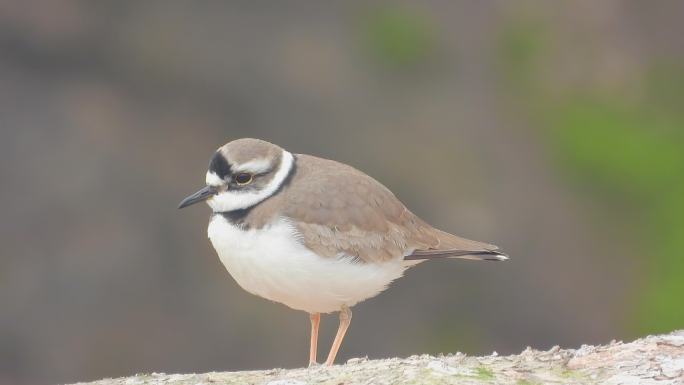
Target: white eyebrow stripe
(255, 166)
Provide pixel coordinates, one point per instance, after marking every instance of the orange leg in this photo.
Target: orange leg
(345, 320)
(315, 321)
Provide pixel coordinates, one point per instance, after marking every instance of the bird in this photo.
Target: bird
(315, 234)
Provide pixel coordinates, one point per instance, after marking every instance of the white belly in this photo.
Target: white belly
(272, 263)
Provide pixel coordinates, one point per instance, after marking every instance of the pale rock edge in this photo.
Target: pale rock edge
(650, 360)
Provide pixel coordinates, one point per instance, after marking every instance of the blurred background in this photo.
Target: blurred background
(552, 129)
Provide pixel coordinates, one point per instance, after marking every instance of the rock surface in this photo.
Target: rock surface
(650, 360)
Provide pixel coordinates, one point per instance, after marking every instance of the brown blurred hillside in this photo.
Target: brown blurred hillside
(110, 110)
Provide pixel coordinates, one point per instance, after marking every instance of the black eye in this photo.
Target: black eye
(243, 178)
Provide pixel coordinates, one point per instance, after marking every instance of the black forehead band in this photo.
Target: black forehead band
(219, 165)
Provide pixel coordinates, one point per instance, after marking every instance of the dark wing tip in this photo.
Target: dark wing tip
(496, 255)
(482, 255)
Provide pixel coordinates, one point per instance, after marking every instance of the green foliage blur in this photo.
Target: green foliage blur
(624, 149)
(398, 38)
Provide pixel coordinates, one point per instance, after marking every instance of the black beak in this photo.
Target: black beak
(199, 196)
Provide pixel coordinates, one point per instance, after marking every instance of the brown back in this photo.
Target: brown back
(339, 210)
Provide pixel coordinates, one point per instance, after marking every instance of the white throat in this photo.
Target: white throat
(237, 200)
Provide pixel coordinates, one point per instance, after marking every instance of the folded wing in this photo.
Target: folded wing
(348, 213)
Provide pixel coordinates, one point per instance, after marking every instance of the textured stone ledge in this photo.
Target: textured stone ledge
(650, 360)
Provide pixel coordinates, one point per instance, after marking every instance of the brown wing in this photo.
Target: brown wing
(339, 210)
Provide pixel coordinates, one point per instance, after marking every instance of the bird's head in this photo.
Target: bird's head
(243, 173)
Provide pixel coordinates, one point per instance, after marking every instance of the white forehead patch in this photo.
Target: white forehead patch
(212, 179)
(231, 200)
(256, 166)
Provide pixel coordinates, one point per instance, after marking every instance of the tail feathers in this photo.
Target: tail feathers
(475, 255)
(452, 246)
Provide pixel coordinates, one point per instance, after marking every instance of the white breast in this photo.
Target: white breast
(272, 263)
